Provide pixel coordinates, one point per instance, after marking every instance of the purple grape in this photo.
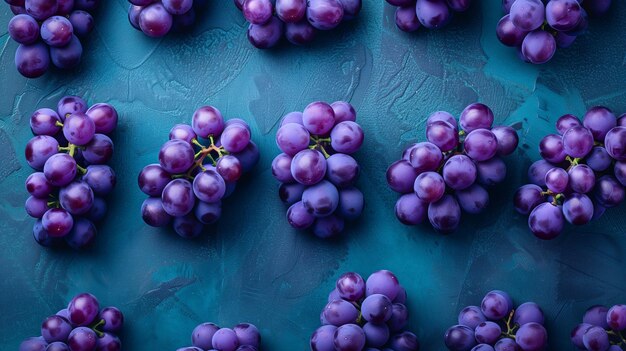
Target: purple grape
(83, 309)
(265, 36)
(546, 221)
(620, 172)
(209, 186)
(97, 211)
(187, 226)
(471, 316)
(508, 33)
(376, 308)
(38, 186)
(60, 169)
(608, 191)
(58, 346)
(459, 172)
(18, 10)
(39, 149)
(596, 339)
(229, 168)
(382, 282)
(344, 111)
(506, 344)
(101, 179)
(155, 21)
(496, 305)
(346, 137)
(44, 122)
(487, 333)
(308, 167)
(507, 140)
(319, 117)
(598, 159)
(281, 168)
(596, 315)
(459, 338)
(527, 15)
(299, 217)
(202, 335)
(410, 209)
(109, 342)
(474, 199)
(578, 141)
(41, 9)
(76, 198)
(399, 317)
(82, 339)
(443, 135)
(349, 337)
(24, 29)
(83, 23)
(257, 11)
(153, 179)
(342, 170)
(476, 116)
(290, 11)
(247, 334)
(528, 312)
(177, 7)
(577, 334)
(616, 317)
(598, 119)
(563, 15)
(429, 186)
(425, 156)
(176, 156)
(207, 121)
(537, 172)
(491, 172)
(432, 14)
(32, 60)
(566, 122)
(482, 347)
(323, 338)
(248, 157)
(538, 46)
(581, 178)
(324, 15)
(55, 328)
(351, 286)
(405, 341)
(78, 129)
(178, 197)
(68, 56)
(527, 198)
(56, 31)
(113, 319)
(235, 138)
(350, 203)
(445, 214)
(551, 148)
(557, 180)
(615, 143)
(321, 199)
(104, 117)
(71, 104)
(406, 18)
(340, 312)
(292, 138)
(153, 213)
(441, 116)
(291, 117)
(351, 8)
(208, 213)
(376, 335)
(480, 144)
(35, 207)
(33, 344)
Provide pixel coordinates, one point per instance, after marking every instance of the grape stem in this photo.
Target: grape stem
(510, 328)
(317, 144)
(572, 162)
(58, 124)
(81, 169)
(96, 327)
(619, 335)
(204, 152)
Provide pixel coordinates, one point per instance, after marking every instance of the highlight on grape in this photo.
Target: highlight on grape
(453, 169)
(49, 31)
(296, 20)
(69, 152)
(198, 166)
(581, 174)
(537, 28)
(366, 315)
(316, 168)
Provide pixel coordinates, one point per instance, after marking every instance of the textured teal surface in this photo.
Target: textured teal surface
(252, 266)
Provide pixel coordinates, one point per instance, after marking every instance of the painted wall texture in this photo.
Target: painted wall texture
(252, 266)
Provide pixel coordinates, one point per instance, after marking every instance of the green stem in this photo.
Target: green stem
(58, 124)
(197, 143)
(81, 169)
(72, 150)
(96, 327)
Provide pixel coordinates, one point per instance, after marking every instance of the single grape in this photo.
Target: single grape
(349, 337)
(566, 122)
(538, 46)
(300, 33)
(291, 193)
(557, 180)
(616, 317)
(33, 344)
(346, 137)
(292, 117)
(71, 104)
(376, 335)
(476, 116)
(443, 135)
(406, 18)
(76, 198)
(581, 178)
(32, 60)
(56, 31)
(608, 191)
(290, 11)
(598, 119)
(459, 172)
(342, 170)
(83, 23)
(208, 213)
(340, 312)
(351, 8)
(177, 7)
(551, 148)
(323, 338)
(429, 186)
(563, 15)
(321, 199)
(55, 328)
(350, 203)
(318, 117)
(109, 342)
(38, 186)
(537, 172)
(399, 317)
(471, 316)
(281, 168)
(459, 338)
(376, 308)
(113, 319)
(615, 143)
(24, 29)
(176, 156)
(41, 9)
(598, 159)
(487, 333)
(178, 197)
(235, 137)
(474, 199)
(527, 15)
(496, 305)
(39, 149)
(68, 56)
(546, 221)
(264, 36)
(202, 335)
(229, 168)
(382, 282)
(153, 179)
(292, 138)
(324, 15)
(432, 14)
(507, 140)
(577, 335)
(578, 141)
(424, 156)
(299, 217)
(83, 309)
(257, 11)
(207, 121)
(528, 312)
(350, 286)
(596, 339)
(410, 209)
(508, 33)
(187, 226)
(445, 214)
(405, 341)
(491, 172)
(155, 21)
(60, 169)
(597, 315)
(247, 334)
(308, 167)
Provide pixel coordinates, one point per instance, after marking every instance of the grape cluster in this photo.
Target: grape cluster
(365, 315)
(316, 170)
(602, 329)
(496, 325)
(297, 20)
(156, 18)
(68, 189)
(537, 27)
(198, 167)
(82, 326)
(583, 172)
(210, 337)
(49, 30)
(452, 168)
(431, 14)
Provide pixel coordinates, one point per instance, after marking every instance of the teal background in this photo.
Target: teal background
(252, 266)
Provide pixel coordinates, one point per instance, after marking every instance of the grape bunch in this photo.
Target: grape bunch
(602, 329)
(496, 325)
(316, 169)
(583, 172)
(198, 167)
(297, 20)
(365, 315)
(67, 191)
(156, 18)
(451, 171)
(49, 30)
(537, 27)
(82, 326)
(431, 14)
(210, 337)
